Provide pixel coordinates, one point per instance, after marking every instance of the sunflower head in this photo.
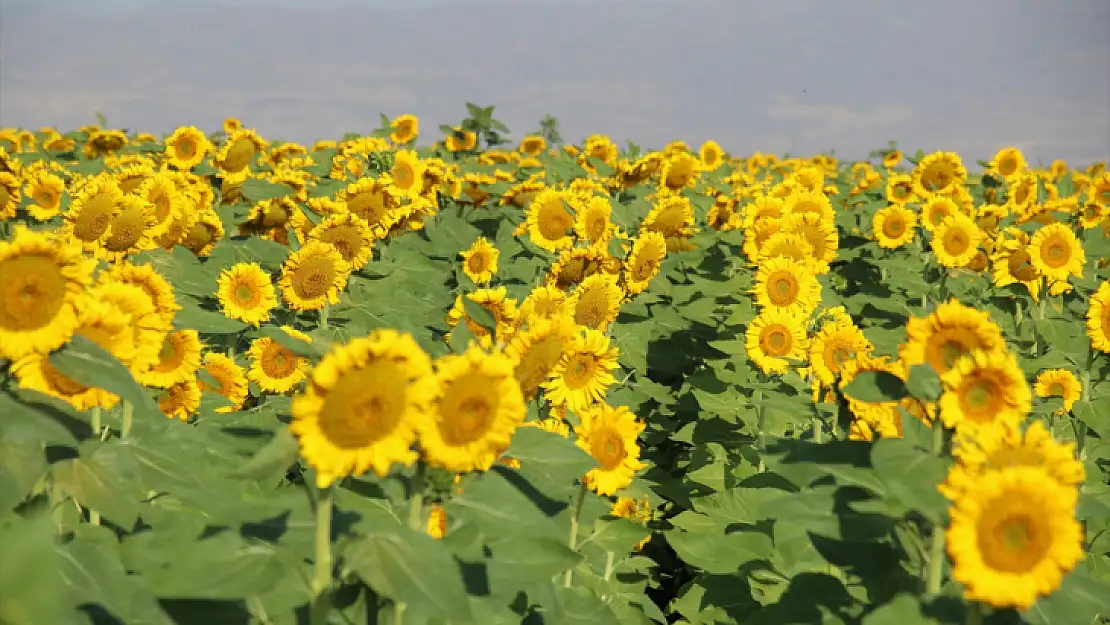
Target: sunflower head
(610, 435)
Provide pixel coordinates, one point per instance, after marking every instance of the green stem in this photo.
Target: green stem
(128, 418)
(322, 564)
(818, 426)
(935, 572)
(323, 322)
(973, 614)
(609, 558)
(416, 503)
(95, 419)
(572, 540)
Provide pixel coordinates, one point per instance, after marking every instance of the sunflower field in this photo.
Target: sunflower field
(487, 381)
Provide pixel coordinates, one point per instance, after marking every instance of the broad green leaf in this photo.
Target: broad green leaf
(480, 315)
(414, 568)
(719, 553)
(499, 508)
(102, 482)
(875, 387)
(85, 362)
(272, 459)
(924, 383)
(256, 189)
(205, 321)
(911, 476)
(528, 560)
(549, 461)
(32, 588)
(94, 575)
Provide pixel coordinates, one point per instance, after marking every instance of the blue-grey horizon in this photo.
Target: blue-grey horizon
(799, 76)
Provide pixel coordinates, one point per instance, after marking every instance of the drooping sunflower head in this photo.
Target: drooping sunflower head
(1098, 318)
(576, 264)
(203, 233)
(596, 302)
(238, 150)
(537, 350)
(230, 381)
(363, 406)
(671, 216)
(313, 276)
(479, 406)
(246, 293)
(679, 171)
(610, 435)
(644, 260)
(480, 261)
(41, 279)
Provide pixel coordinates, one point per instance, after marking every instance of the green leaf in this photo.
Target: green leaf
(499, 509)
(480, 315)
(298, 346)
(414, 568)
(32, 588)
(256, 189)
(95, 575)
(719, 553)
(273, 459)
(205, 321)
(549, 461)
(1081, 598)
(527, 560)
(102, 486)
(461, 336)
(902, 610)
(924, 383)
(876, 387)
(911, 476)
(87, 363)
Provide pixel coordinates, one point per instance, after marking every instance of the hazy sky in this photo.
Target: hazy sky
(807, 76)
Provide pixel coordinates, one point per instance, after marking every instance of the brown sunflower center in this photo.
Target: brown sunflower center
(776, 341)
(32, 291)
(782, 288)
(980, 399)
(607, 447)
(364, 406)
(1012, 541)
(171, 355)
(346, 240)
(956, 241)
(1056, 253)
(314, 277)
(125, 230)
(894, 226)
(476, 263)
(579, 370)
(278, 362)
(185, 147)
(95, 216)
(1056, 389)
(468, 418)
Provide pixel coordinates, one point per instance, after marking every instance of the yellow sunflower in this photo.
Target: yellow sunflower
(711, 155)
(238, 150)
(363, 406)
(672, 216)
(497, 302)
(819, 232)
(1058, 383)
(1007, 163)
(478, 408)
(543, 302)
(938, 173)
(1056, 253)
(1014, 536)
(956, 241)
(532, 145)
(679, 171)
(178, 360)
(592, 225)
(203, 233)
(148, 328)
(129, 230)
(643, 262)
(313, 276)
(576, 264)
(1098, 318)
(274, 367)
(596, 302)
(46, 191)
(180, 400)
(41, 279)
(893, 226)
(537, 350)
(610, 436)
(775, 337)
(584, 372)
(246, 293)
(899, 189)
(1012, 264)
(836, 343)
(407, 173)
(549, 220)
(350, 234)
(984, 387)
(812, 202)
(186, 148)
(156, 286)
(936, 209)
(882, 419)
(90, 213)
(404, 129)
(480, 261)
(231, 380)
(459, 140)
(786, 284)
(891, 158)
(947, 334)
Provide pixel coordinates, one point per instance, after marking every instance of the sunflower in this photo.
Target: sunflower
(148, 328)
(273, 367)
(480, 261)
(45, 191)
(672, 216)
(584, 372)
(891, 158)
(819, 232)
(1001, 446)
(231, 380)
(1012, 264)
(899, 189)
(947, 334)
(609, 435)
(811, 202)
(178, 360)
(165, 199)
(90, 213)
(1014, 536)
(129, 230)
(180, 400)
(984, 387)
(313, 276)
(496, 301)
(711, 155)
(937, 173)
(239, 150)
(1056, 253)
(407, 173)
(478, 408)
(103, 324)
(836, 343)
(956, 241)
(643, 262)
(576, 264)
(41, 279)
(1058, 383)
(775, 337)
(1007, 163)
(459, 140)
(363, 406)
(1093, 214)
(596, 302)
(203, 233)
(537, 350)
(786, 284)
(246, 293)
(893, 226)
(186, 148)
(543, 302)
(532, 145)
(788, 245)
(883, 419)
(1098, 318)
(156, 287)
(549, 221)
(592, 224)
(349, 234)
(679, 171)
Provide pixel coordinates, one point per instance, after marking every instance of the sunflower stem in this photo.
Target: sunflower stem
(322, 563)
(609, 558)
(572, 540)
(973, 614)
(94, 420)
(416, 499)
(128, 419)
(323, 322)
(935, 572)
